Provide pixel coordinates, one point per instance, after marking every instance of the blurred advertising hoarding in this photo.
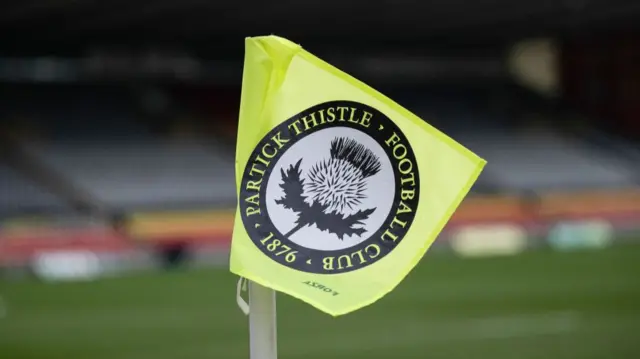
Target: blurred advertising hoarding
(491, 224)
(18, 247)
(210, 226)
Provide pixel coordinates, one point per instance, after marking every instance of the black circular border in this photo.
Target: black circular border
(260, 226)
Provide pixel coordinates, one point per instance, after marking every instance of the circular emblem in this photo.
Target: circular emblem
(333, 189)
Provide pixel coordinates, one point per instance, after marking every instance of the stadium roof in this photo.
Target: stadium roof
(51, 24)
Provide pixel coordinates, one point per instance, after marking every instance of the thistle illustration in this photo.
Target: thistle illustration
(332, 187)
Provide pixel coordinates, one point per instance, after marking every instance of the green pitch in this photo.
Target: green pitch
(537, 305)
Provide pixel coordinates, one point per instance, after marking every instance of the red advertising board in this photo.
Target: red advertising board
(18, 247)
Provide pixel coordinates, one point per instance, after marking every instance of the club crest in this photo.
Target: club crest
(331, 190)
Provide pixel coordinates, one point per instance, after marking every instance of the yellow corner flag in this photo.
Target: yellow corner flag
(341, 190)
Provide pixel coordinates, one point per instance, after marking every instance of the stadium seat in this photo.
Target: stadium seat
(145, 174)
(19, 195)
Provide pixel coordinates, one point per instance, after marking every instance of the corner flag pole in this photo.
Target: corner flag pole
(263, 337)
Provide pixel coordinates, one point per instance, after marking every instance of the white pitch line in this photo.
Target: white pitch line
(449, 330)
(508, 327)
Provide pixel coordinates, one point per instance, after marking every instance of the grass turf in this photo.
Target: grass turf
(536, 305)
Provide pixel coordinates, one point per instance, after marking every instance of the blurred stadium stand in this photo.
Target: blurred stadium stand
(128, 122)
(146, 174)
(536, 160)
(18, 194)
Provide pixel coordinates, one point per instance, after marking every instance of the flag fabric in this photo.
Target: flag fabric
(341, 191)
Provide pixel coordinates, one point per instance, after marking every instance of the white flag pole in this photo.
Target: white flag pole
(263, 337)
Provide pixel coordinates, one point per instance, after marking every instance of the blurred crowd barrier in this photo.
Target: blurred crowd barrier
(497, 224)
